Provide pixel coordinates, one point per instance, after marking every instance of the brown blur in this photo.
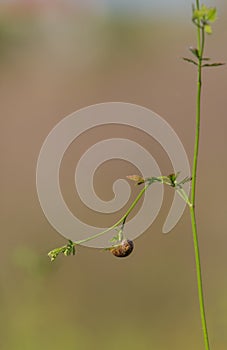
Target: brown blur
(55, 59)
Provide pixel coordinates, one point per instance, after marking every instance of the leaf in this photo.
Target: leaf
(66, 250)
(216, 64)
(196, 15)
(204, 16)
(212, 14)
(208, 29)
(189, 60)
(53, 254)
(136, 178)
(173, 178)
(195, 51)
(200, 14)
(186, 179)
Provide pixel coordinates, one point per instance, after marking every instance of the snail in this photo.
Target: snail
(123, 249)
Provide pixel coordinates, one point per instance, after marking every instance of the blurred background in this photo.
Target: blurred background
(59, 56)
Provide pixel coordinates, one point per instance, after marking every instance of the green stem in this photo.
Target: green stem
(124, 217)
(184, 196)
(199, 279)
(200, 43)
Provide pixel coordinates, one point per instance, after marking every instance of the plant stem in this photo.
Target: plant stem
(199, 279)
(123, 219)
(200, 43)
(54, 253)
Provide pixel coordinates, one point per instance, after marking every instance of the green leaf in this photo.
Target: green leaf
(212, 14)
(53, 254)
(173, 178)
(186, 179)
(200, 14)
(204, 16)
(195, 51)
(189, 60)
(196, 15)
(208, 29)
(215, 64)
(66, 250)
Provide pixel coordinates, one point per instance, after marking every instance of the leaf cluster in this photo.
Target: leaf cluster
(68, 249)
(203, 17)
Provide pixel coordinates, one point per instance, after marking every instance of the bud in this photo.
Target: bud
(136, 178)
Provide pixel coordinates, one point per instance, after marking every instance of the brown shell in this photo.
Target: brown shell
(124, 249)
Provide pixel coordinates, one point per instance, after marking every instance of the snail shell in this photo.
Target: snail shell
(124, 249)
